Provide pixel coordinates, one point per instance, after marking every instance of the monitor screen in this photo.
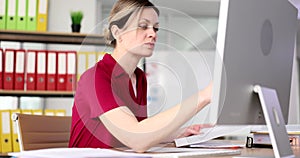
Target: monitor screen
(255, 45)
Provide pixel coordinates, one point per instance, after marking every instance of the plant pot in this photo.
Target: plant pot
(76, 27)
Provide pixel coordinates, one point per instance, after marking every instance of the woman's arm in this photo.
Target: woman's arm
(140, 136)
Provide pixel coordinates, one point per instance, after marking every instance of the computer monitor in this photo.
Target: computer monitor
(255, 45)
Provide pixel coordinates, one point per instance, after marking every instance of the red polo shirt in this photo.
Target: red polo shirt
(102, 88)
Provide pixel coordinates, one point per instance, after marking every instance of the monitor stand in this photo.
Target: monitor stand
(275, 122)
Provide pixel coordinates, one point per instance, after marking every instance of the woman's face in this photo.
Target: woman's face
(140, 35)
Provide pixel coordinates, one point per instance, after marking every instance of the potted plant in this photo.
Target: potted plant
(76, 17)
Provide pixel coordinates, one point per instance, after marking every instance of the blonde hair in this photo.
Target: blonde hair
(121, 12)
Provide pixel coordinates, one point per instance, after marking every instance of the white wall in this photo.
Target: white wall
(59, 15)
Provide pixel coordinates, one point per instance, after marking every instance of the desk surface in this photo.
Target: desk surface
(254, 152)
(261, 152)
(246, 152)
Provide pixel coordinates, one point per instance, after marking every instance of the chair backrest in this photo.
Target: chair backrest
(41, 131)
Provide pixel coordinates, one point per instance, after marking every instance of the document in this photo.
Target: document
(211, 133)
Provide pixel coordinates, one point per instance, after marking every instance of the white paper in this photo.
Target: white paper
(210, 133)
(215, 144)
(74, 153)
(156, 152)
(290, 128)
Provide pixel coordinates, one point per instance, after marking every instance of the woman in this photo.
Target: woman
(110, 102)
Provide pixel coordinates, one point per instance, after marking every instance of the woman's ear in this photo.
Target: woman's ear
(115, 31)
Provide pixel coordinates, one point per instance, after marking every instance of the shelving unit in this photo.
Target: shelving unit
(19, 93)
(52, 37)
(48, 38)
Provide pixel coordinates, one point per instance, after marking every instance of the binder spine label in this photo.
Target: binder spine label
(62, 63)
(20, 59)
(71, 63)
(32, 8)
(9, 61)
(52, 62)
(41, 63)
(12, 8)
(22, 8)
(42, 9)
(2, 7)
(30, 60)
(5, 123)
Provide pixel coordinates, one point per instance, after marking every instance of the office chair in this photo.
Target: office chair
(41, 131)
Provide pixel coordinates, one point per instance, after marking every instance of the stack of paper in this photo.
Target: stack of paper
(211, 133)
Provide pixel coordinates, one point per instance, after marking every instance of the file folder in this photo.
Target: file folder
(11, 15)
(26, 111)
(91, 59)
(81, 64)
(71, 71)
(5, 129)
(37, 112)
(14, 134)
(49, 112)
(42, 15)
(32, 15)
(61, 71)
(31, 70)
(51, 71)
(60, 112)
(21, 14)
(1, 68)
(100, 56)
(85, 61)
(3, 14)
(19, 71)
(8, 73)
(41, 70)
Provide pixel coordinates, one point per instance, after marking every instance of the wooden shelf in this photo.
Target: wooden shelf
(37, 93)
(51, 37)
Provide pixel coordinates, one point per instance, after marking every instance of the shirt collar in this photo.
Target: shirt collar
(115, 68)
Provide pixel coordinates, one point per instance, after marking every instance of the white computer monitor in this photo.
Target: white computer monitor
(255, 45)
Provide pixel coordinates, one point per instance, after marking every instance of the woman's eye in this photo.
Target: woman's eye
(143, 26)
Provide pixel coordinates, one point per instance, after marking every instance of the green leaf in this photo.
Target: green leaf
(76, 17)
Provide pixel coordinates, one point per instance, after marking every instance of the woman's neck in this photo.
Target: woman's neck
(126, 60)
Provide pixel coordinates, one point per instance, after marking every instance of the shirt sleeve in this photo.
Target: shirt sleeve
(107, 100)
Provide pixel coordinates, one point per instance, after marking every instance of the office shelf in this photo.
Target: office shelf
(48, 38)
(20, 93)
(52, 37)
